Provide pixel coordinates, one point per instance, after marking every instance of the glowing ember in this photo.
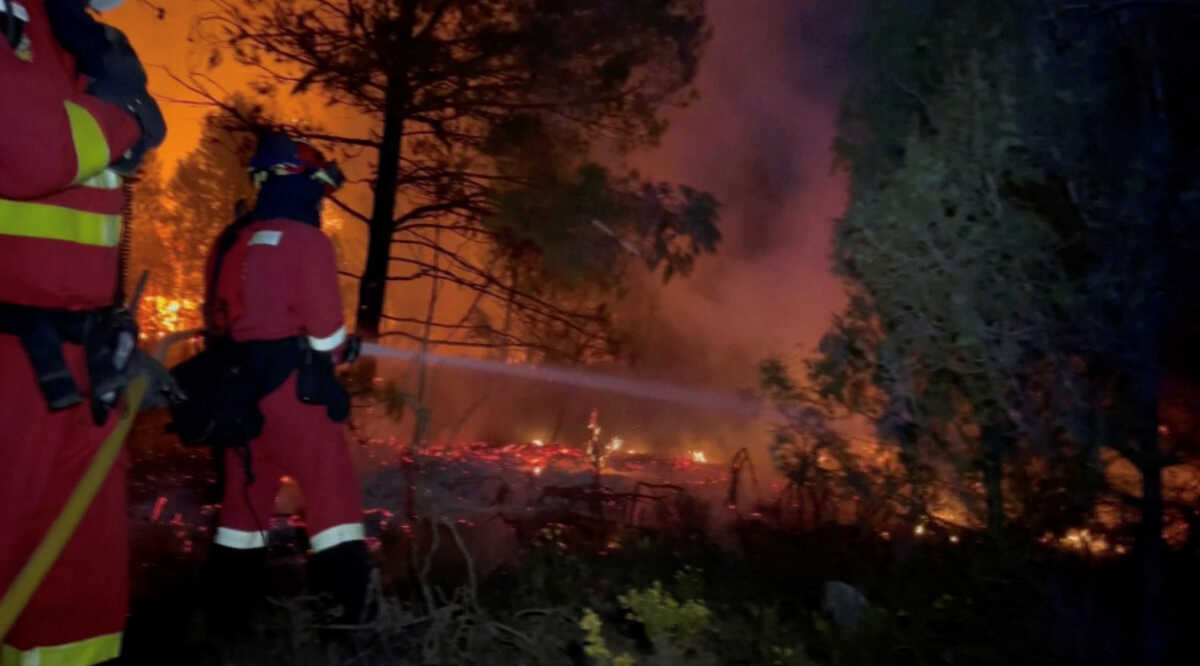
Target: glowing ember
(537, 471)
(699, 457)
(158, 509)
(538, 443)
(919, 530)
(953, 538)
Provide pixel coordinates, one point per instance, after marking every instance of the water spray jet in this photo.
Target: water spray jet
(638, 388)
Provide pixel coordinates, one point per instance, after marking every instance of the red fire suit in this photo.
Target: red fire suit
(59, 230)
(279, 280)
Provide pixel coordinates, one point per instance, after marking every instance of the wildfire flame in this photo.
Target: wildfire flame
(597, 451)
(169, 315)
(1084, 541)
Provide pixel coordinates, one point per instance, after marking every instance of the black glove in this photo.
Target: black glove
(316, 383)
(79, 33)
(352, 350)
(144, 109)
(120, 79)
(104, 55)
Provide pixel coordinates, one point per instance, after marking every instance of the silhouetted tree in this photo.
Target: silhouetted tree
(484, 111)
(1021, 173)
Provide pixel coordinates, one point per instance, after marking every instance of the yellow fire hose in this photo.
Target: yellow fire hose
(35, 570)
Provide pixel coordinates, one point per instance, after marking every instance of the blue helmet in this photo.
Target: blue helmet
(280, 155)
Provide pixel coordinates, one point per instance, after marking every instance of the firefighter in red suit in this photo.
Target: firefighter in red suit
(66, 142)
(273, 289)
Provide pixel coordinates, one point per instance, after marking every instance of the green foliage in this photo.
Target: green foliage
(594, 645)
(843, 372)
(827, 474)
(689, 583)
(1018, 179)
(957, 340)
(677, 630)
(957, 278)
(588, 226)
(665, 618)
(569, 231)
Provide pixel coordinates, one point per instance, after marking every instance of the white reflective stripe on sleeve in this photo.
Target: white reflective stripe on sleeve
(240, 539)
(336, 536)
(18, 10)
(105, 180)
(328, 343)
(266, 238)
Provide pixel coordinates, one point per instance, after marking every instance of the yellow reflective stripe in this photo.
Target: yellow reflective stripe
(91, 148)
(80, 653)
(34, 220)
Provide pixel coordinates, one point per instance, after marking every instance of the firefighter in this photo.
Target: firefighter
(274, 296)
(65, 143)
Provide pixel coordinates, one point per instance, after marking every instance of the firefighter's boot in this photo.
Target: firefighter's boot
(233, 583)
(342, 572)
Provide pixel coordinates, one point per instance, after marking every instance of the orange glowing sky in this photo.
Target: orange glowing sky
(758, 139)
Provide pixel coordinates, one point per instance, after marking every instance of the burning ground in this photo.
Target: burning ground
(530, 525)
(500, 494)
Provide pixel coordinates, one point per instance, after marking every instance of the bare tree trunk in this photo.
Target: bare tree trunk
(1151, 326)
(1153, 640)
(993, 479)
(373, 287)
(1150, 461)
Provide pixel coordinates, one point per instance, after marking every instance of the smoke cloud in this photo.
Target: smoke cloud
(760, 140)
